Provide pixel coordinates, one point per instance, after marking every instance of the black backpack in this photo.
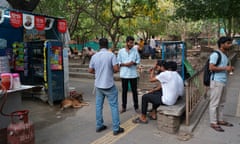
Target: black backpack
(207, 73)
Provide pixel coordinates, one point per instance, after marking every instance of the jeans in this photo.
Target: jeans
(155, 98)
(112, 96)
(133, 83)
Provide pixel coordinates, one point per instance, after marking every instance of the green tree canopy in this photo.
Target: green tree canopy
(226, 10)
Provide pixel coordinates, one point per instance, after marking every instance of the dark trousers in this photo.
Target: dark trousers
(155, 98)
(153, 53)
(85, 58)
(133, 83)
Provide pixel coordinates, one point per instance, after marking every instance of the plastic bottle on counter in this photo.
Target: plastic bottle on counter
(16, 81)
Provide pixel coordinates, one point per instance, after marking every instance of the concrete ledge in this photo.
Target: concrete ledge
(176, 110)
(169, 117)
(168, 123)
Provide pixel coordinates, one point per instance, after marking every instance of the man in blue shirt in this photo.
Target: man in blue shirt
(218, 84)
(104, 64)
(128, 58)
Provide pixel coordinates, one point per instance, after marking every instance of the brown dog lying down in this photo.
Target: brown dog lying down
(75, 100)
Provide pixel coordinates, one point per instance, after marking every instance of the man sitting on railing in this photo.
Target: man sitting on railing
(166, 93)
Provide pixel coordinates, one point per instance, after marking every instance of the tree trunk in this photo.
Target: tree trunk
(229, 27)
(219, 28)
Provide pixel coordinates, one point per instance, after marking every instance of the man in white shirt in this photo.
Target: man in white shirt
(153, 47)
(166, 93)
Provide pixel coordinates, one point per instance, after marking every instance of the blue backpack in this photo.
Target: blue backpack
(207, 73)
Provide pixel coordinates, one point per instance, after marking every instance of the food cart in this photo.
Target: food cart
(32, 45)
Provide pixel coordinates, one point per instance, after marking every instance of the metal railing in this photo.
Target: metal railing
(195, 92)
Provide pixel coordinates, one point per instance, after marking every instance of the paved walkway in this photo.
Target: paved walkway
(77, 126)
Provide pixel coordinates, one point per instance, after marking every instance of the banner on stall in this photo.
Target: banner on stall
(40, 23)
(30, 21)
(49, 23)
(62, 26)
(16, 19)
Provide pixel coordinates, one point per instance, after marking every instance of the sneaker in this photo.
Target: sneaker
(101, 128)
(120, 130)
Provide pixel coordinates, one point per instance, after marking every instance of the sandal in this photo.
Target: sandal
(224, 123)
(138, 120)
(151, 117)
(217, 128)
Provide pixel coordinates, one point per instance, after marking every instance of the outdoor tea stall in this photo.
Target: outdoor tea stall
(32, 46)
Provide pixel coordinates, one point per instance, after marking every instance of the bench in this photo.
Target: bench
(169, 117)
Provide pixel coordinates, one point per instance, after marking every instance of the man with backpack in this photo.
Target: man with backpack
(218, 84)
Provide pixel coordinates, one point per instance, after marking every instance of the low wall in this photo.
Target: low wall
(170, 117)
